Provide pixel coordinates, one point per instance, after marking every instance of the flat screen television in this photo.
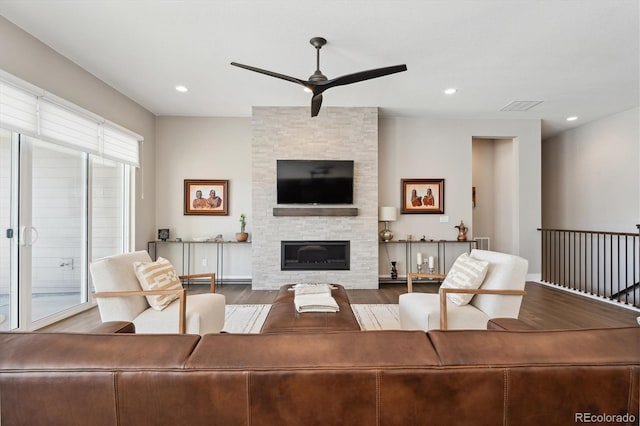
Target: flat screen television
(315, 181)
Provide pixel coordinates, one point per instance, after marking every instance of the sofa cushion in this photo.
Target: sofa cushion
(158, 275)
(465, 273)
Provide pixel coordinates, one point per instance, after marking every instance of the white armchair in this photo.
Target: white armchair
(121, 298)
(499, 296)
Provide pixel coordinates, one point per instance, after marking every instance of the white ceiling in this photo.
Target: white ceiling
(581, 57)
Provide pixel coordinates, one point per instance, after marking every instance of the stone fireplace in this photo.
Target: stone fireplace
(314, 255)
(281, 133)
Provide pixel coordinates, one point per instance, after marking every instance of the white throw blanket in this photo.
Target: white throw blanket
(314, 298)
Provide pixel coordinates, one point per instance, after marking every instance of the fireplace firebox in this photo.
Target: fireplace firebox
(314, 255)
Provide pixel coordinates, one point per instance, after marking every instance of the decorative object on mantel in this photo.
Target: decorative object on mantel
(163, 234)
(386, 215)
(462, 231)
(318, 82)
(423, 196)
(394, 271)
(196, 191)
(242, 236)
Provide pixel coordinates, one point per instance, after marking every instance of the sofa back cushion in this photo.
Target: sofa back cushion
(116, 273)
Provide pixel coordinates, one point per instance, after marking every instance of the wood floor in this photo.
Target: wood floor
(544, 307)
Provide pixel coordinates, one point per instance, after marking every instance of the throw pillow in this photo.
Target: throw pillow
(158, 275)
(466, 272)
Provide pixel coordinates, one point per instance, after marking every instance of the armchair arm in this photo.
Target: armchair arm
(443, 298)
(412, 275)
(179, 291)
(212, 275)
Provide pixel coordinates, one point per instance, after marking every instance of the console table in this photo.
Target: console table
(188, 245)
(439, 248)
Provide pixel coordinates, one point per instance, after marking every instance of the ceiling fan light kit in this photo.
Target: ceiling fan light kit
(318, 82)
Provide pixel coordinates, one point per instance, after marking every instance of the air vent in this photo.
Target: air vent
(520, 105)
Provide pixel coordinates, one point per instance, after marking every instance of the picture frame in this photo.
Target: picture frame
(422, 196)
(206, 197)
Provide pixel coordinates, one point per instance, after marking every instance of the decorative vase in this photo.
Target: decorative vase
(394, 271)
(462, 231)
(242, 236)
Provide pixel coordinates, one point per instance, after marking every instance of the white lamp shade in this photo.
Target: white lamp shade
(387, 214)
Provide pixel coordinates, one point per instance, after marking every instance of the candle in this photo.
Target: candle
(419, 258)
(431, 262)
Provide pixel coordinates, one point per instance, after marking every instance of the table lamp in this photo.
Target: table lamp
(386, 215)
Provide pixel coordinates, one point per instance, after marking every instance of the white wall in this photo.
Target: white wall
(441, 148)
(29, 59)
(591, 178)
(204, 148)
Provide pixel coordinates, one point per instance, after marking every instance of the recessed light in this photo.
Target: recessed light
(181, 88)
(450, 91)
(573, 118)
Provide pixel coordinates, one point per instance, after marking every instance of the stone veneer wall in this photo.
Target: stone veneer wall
(335, 134)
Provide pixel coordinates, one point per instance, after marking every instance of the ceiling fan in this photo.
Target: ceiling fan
(318, 82)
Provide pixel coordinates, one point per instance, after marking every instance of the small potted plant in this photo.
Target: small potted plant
(242, 235)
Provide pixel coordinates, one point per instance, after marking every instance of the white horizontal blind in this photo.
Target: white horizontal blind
(18, 109)
(60, 125)
(121, 146)
(32, 111)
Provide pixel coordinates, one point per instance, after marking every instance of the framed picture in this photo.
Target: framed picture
(206, 197)
(422, 196)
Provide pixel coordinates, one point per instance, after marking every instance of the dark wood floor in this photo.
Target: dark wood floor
(544, 307)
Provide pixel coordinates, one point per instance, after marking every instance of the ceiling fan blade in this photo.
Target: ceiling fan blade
(362, 76)
(271, 73)
(316, 103)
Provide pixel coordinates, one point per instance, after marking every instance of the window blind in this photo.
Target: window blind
(32, 111)
(120, 145)
(18, 109)
(60, 125)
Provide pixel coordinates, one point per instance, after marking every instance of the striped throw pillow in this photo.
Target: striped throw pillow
(158, 275)
(466, 272)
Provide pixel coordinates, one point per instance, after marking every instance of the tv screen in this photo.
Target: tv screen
(315, 181)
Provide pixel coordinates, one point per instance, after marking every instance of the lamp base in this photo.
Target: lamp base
(386, 235)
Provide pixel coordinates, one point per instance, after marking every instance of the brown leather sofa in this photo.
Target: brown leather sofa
(490, 377)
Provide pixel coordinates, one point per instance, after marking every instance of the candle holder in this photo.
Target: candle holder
(419, 268)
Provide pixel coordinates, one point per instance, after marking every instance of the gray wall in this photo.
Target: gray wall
(591, 178)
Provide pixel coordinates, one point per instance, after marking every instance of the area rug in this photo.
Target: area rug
(248, 319)
(245, 319)
(377, 316)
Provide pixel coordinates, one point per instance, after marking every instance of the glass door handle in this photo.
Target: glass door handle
(33, 234)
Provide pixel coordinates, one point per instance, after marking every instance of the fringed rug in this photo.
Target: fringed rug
(245, 319)
(377, 316)
(248, 319)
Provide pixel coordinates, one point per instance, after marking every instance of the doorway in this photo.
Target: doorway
(494, 183)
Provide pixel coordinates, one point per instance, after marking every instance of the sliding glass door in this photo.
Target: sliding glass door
(59, 209)
(8, 312)
(53, 216)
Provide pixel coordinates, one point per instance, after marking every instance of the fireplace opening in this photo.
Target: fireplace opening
(314, 255)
